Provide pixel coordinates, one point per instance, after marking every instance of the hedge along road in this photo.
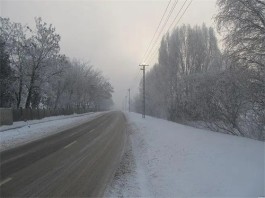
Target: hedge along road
(77, 162)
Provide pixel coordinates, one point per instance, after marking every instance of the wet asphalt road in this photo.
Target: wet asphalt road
(78, 162)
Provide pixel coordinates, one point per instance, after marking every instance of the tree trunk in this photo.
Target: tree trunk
(28, 98)
(19, 92)
(30, 90)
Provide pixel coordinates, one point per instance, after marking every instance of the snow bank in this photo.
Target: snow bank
(23, 132)
(31, 122)
(174, 160)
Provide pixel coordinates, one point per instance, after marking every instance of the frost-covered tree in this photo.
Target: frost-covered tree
(79, 86)
(42, 76)
(242, 23)
(43, 56)
(186, 52)
(194, 81)
(14, 35)
(6, 77)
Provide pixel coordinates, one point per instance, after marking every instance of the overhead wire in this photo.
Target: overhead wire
(157, 29)
(148, 52)
(157, 46)
(161, 30)
(156, 50)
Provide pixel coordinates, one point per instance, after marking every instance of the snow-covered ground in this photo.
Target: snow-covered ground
(23, 132)
(166, 159)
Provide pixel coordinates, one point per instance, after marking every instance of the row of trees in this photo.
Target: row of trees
(34, 74)
(194, 81)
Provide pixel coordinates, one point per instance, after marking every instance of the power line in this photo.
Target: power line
(161, 30)
(179, 13)
(156, 29)
(156, 51)
(154, 44)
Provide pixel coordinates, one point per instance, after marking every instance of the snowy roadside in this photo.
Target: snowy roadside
(19, 124)
(166, 159)
(24, 132)
(129, 180)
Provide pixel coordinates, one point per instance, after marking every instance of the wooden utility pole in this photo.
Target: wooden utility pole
(143, 68)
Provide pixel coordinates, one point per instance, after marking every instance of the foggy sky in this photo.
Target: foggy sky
(111, 35)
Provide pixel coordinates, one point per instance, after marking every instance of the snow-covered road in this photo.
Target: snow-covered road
(166, 159)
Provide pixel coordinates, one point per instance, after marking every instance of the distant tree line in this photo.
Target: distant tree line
(35, 75)
(194, 81)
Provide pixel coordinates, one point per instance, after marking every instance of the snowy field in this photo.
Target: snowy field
(23, 132)
(166, 159)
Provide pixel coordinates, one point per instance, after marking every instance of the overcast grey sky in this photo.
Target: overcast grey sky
(112, 35)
